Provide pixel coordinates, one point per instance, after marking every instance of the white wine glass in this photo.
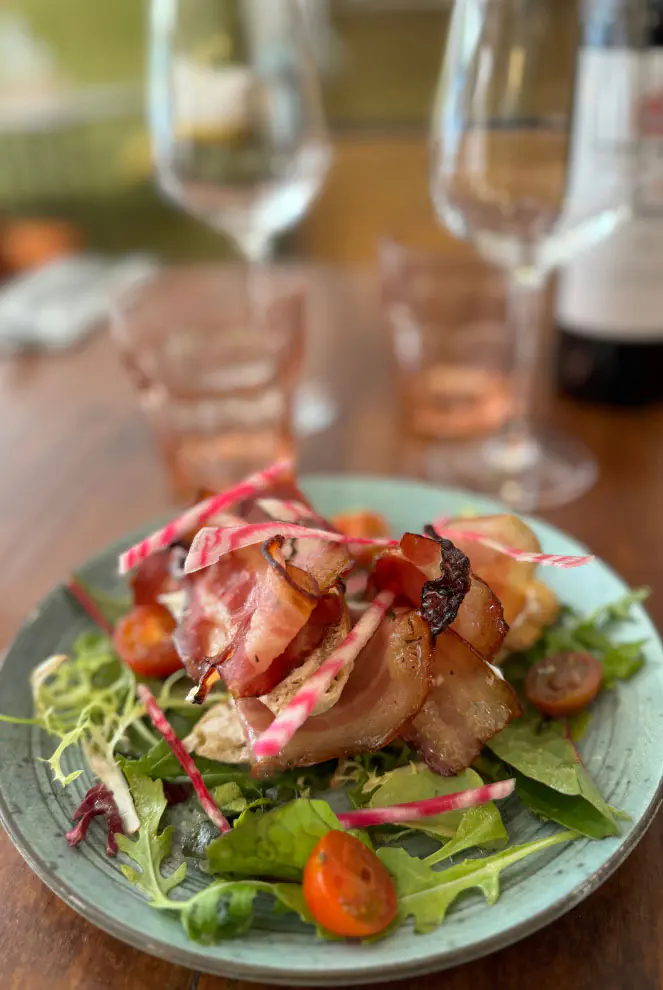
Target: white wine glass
(524, 166)
(238, 129)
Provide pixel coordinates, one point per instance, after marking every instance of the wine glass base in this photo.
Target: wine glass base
(553, 470)
(315, 409)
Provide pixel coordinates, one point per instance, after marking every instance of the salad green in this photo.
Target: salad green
(88, 700)
(224, 909)
(457, 830)
(426, 894)
(273, 843)
(550, 777)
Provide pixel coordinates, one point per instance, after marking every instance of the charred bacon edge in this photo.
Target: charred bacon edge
(269, 549)
(286, 572)
(441, 598)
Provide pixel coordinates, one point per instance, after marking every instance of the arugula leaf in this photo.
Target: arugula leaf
(363, 836)
(426, 894)
(222, 910)
(540, 751)
(229, 798)
(578, 724)
(274, 843)
(159, 763)
(151, 847)
(620, 610)
(621, 661)
(225, 909)
(574, 813)
(594, 633)
(543, 753)
(478, 826)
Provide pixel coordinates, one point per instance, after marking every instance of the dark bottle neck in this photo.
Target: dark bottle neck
(623, 24)
(655, 24)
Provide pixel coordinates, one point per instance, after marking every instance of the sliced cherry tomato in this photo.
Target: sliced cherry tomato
(153, 578)
(370, 525)
(564, 684)
(143, 639)
(346, 887)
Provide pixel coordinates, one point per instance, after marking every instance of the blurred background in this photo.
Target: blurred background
(304, 138)
(74, 145)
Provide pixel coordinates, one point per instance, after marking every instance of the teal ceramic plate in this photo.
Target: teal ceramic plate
(623, 750)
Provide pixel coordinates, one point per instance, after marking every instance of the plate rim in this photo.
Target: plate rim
(196, 958)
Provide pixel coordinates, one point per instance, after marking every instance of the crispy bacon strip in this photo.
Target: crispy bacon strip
(327, 628)
(429, 574)
(244, 611)
(468, 704)
(323, 560)
(200, 513)
(480, 620)
(240, 676)
(387, 687)
(284, 726)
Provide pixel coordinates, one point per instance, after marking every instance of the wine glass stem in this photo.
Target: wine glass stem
(257, 254)
(516, 449)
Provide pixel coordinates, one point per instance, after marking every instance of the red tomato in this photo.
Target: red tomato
(370, 525)
(143, 639)
(153, 578)
(347, 888)
(564, 684)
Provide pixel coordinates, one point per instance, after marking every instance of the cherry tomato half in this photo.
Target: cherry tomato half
(346, 887)
(143, 639)
(564, 684)
(366, 524)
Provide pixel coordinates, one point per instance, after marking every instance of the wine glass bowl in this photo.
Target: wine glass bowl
(514, 116)
(239, 134)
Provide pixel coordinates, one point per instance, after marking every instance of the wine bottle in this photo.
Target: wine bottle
(610, 298)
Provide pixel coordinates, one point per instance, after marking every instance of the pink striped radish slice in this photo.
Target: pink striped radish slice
(88, 604)
(414, 810)
(225, 519)
(210, 544)
(563, 561)
(199, 514)
(163, 726)
(290, 511)
(284, 726)
(284, 509)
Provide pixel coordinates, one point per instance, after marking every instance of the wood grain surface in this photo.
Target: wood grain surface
(77, 469)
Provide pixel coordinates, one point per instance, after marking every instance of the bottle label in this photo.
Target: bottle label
(614, 290)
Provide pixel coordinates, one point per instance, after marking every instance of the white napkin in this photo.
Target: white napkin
(59, 304)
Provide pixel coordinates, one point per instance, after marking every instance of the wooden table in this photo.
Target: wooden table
(78, 470)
